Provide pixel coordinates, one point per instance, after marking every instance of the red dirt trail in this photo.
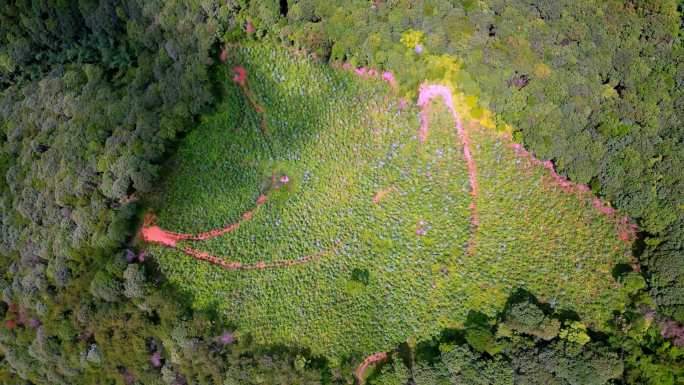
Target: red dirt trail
(233, 265)
(626, 230)
(240, 77)
(427, 93)
(155, 234)
(373, 358)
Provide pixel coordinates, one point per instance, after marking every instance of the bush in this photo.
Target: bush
(526, 317)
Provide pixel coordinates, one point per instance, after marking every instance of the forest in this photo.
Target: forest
(100, 98)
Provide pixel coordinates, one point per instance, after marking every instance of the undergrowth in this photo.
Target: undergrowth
(402, 270)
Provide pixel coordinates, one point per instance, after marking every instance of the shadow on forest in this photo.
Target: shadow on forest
(276, 145)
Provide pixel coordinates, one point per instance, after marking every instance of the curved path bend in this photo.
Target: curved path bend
(154, 234)
(361, 369)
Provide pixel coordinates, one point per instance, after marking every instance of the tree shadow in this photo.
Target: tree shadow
(477, 320)
(523, 295)
(520, 295)
(283, 139)
(620, 269)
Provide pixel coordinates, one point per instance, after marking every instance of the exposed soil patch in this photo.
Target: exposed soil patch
(361, 369)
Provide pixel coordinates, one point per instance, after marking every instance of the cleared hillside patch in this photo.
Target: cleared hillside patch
(394, 214)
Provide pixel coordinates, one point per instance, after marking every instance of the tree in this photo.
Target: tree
(105, 286)
(526, 317)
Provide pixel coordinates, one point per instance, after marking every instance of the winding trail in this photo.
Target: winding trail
(373, 358)
(152, 233)
(427, 93)
(240, 77)
(626, 230)
(234, 265)
(155, 234)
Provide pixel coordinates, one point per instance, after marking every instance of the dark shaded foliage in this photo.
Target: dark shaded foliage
(523, 358)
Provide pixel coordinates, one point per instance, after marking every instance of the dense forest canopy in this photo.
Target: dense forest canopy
(96, 94)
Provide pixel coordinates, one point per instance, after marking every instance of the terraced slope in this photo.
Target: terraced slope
(388, 218)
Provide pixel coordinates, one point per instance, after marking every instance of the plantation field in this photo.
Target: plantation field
(388, 217)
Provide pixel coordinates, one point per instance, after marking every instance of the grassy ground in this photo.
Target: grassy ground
(341, 141)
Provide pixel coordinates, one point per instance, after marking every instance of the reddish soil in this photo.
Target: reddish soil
(373, 358)
(427, 93)
(234, 265)
(224, 54)
(155, 234)
(240, 77)
(364, 72)
(625, 228)
(382, 194)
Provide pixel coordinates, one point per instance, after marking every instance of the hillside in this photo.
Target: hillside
(337, 192)
(396, 245)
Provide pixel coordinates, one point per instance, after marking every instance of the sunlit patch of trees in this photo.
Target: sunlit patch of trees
(596, 88)
(94, 93)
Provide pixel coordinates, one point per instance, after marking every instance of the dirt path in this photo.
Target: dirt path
(361, 369)
(155, 234)
(240, 77)
(626, 230)
(234, 265)
(152, 233)
(427, 93)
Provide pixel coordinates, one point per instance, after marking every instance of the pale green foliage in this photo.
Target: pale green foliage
(395, 374)
(134, 281)
(632, 282)
(411, 38)
(526, 317)
(575, 332)
(105, 287)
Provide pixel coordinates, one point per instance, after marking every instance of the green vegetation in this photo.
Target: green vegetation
(92, 94)
(340, 141)
(595, 87)
(100, 98)
(517, 355)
